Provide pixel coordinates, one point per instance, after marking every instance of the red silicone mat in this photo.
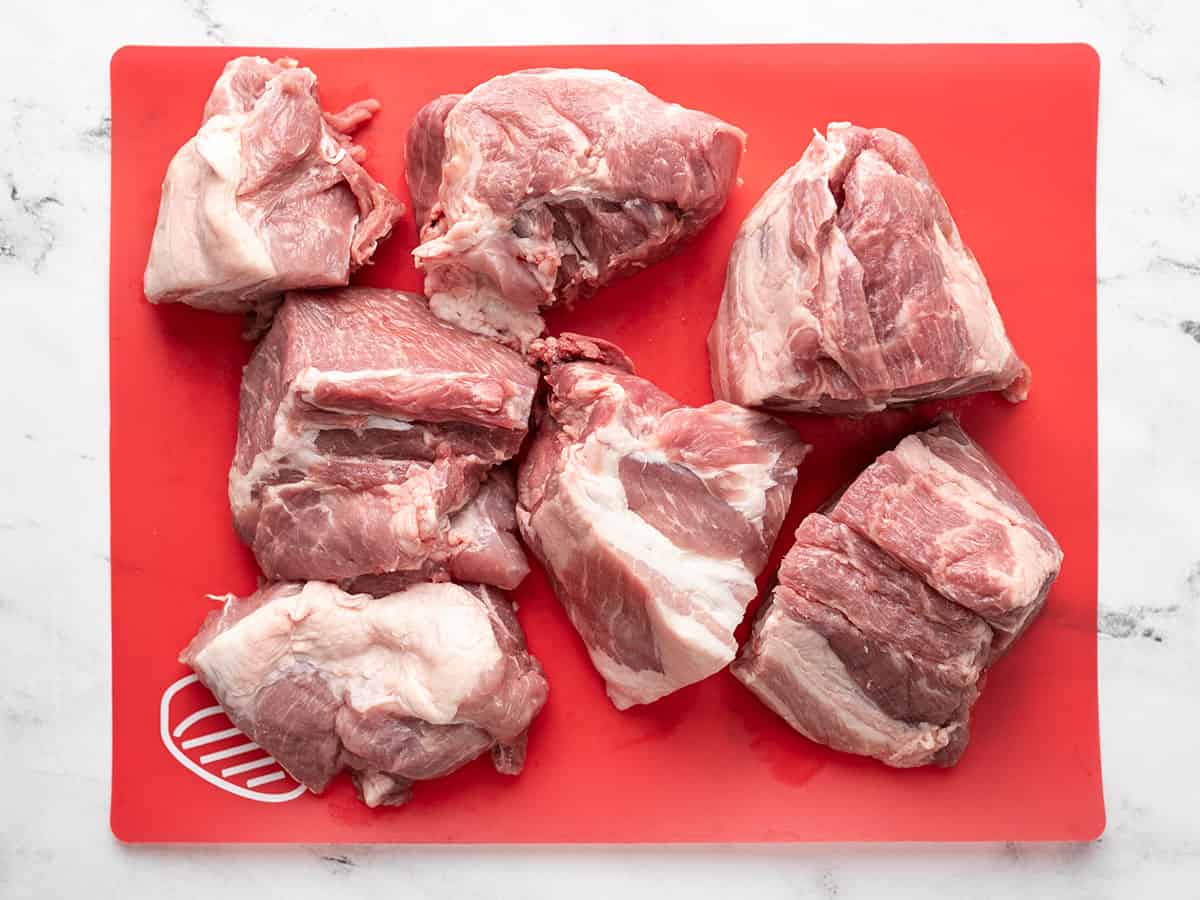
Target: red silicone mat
(1009, 133)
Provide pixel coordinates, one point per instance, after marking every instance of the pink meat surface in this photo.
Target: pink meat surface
(269, 196)
(941, 505)
(368, 439)
(426, 148)
(539, 187)
(849, 289)
(856, 652)
(397, 689)
(652, 518)
(892, 602)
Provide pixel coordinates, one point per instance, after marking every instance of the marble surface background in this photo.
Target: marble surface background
(54, 639)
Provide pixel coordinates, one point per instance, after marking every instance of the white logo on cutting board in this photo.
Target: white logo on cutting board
(207, 744)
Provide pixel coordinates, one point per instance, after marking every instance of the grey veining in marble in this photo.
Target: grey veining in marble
(54, 668)
(214, 30)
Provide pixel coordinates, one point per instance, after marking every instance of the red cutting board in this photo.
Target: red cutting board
(1009, 133)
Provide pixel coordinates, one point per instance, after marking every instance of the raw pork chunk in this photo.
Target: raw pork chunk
(892, 602)
(403, 688)
(856, 652)
(367, 439)
(652, 518)
(941, 505)
(849, 289)
(268, 196)
(538, 187)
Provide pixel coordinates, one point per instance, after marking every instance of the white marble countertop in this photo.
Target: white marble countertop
(54, 668)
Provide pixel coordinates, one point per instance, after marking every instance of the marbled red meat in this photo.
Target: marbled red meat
(941, 505)
(397, 689)
(269, 196)
(539, 187)
(891, 603)
(849, 289)
(856, 652)
(652, 518)
(368, 440)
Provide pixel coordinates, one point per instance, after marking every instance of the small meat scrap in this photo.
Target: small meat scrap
(652, 518)
(538, 187)
(269, 196)
(849, 289)
(369, 437)
(396, 689)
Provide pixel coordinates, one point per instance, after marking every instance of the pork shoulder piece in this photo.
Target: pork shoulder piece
(269, 196)
(539, 187)
(856, 652)
(941, 506)
(399, 689)
(849, 289)
(651, 518)
(368, 436)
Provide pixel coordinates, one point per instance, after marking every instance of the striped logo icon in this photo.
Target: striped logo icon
(197, 732)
